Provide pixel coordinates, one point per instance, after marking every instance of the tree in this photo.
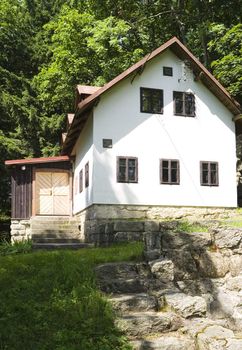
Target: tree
(226, 46)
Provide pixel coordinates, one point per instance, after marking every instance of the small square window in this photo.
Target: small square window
(127, 169)
(107, 143)
(151, 100)
(168, 71)
(169, 171)
(209, 173)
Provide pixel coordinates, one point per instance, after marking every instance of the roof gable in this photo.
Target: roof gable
(200, 73)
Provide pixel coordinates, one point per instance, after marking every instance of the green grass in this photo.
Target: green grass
(22, 247)
(189, 227)
(49, 300)
(232, 223)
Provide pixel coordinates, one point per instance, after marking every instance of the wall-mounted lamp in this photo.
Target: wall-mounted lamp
(23, 167)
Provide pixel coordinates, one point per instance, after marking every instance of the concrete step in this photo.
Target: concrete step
(55, 240)
(54, 234)
(55, 227)
(141, 324)
(51, 246)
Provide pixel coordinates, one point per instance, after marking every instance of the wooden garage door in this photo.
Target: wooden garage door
(52, 193)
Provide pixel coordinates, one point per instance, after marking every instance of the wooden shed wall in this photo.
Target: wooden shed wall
(21, 192)
(22, 186)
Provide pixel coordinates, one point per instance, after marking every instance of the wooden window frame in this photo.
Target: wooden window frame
(127, 179)
(184, 100)
(86, 174)
(81, 181)
(167, 71)
(170, 182)
(209, 182)
(151, 102)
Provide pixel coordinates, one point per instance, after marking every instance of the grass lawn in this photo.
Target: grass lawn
(49, 300)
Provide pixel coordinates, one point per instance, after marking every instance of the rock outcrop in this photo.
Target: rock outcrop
(187, 294)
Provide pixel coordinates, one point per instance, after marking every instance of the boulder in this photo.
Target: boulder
(214, 337)
(186, 305)
(162, 269)
(227, 238)
(141, 324)
(184, 264)
(235, 265)
(195, 240)
(128, 226)
(165, 343)
(212, 264)
(134, 302)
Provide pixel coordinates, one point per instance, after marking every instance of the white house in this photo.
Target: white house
(161, 134)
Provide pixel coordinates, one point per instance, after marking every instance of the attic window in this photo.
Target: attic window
(107, 143)
(184, 104)
(168, 71)
(151, 100)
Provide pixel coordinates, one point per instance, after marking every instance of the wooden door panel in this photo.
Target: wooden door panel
(44, 202)
(52, 193)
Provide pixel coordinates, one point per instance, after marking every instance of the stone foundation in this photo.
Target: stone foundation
(105, 224)
(20, 230)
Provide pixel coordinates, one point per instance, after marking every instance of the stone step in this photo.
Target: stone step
(52, 225)
(165, 342)
(140, 324)
(55, 240)
(51, 246)
(53, 218)
(134, 302)
(54, 234)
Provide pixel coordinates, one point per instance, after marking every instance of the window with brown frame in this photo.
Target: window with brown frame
(151, 100)
(169, 171)
(81, 181)
(127, 169)
(209, 173)
(184, 104)
(87, 174)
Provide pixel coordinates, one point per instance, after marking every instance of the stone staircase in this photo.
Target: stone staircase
(156, 314)
(56, 232)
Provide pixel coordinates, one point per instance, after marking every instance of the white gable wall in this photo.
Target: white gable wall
(210, 136)
(84, 153)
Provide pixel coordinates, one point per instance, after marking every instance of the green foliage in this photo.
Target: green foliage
(226, 45)
(49, 300)
(21, 247)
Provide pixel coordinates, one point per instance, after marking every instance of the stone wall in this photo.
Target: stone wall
(206, 264)
(185, 295)
(105, 224)
(20, 230)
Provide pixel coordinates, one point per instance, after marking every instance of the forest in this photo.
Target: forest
(47, 47)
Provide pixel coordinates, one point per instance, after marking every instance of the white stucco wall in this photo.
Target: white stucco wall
(84, 153)
(210, 136)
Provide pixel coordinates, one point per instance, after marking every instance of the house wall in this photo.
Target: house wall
(210, 136)
(84, 153)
